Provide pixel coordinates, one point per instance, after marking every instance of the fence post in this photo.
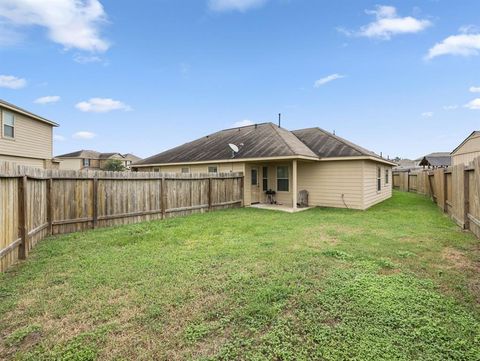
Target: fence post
(242, 191)
(445, 191)
(22, 217)
(95, 203)
(162, 197)
(49, 206)
(466, 199)
(209, 193)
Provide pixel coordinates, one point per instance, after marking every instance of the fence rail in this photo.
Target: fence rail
(456, 191)
(35, 203)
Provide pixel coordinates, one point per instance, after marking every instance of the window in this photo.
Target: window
(379, 179)
(156, 169)
(8, 124)
(86, 162)
(254, 176)
(212, 169)
(282, 179)
(386, 176)
(265, 178)
(185, 170)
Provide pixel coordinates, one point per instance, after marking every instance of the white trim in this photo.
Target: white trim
(260, 160)
(379, 160)
(221, 161)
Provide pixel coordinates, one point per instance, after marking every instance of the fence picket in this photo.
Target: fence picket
(35, 203)
(455, 190)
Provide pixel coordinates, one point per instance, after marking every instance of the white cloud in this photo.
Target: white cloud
(85, 59)
(234, 5)
(427, 114)
(12, 82)
(242, 123)
(474, 104)
(59, 138)
(450, 107)
(474, 89)
(101, 105)
(461, 44)
(84, 135)
(71, 23)
(47, 99)
(327, 79)
(388, 24)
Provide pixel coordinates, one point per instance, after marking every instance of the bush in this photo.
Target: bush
(114, 165)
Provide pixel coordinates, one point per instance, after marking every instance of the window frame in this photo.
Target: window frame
(265, 178)
(252, 171)
(212, 166)
(379, 179)
(8, 125)
(86, 162)
(288, 178)
(387, 180)
(187, 170)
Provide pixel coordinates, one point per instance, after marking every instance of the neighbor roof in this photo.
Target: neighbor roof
(259, 141)
(264, 140)
(91, 154)
(437, 159)
(26, 112)
(132, 157)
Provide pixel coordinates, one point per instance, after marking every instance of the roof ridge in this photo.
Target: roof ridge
(275, 128)
(242, 126)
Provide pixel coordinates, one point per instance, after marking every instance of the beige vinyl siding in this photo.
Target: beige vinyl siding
(30, 162)
(370, 194)
(464, 158)
(33, 139)
(327, 181)
(71, 164)
(197, 168)
(468, 151)
(284, 198)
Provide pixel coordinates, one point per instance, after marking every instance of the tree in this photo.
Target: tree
(114, 165)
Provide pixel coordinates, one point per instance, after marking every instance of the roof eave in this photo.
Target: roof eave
(28, 114)
(360, 157)
(231, 160)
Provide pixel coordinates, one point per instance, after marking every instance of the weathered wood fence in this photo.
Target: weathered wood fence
(456, 191)
(35, 203)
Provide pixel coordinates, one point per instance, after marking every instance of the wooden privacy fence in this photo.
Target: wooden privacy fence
(456, 191)
(35, 203)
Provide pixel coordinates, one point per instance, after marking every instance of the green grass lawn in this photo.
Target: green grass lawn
(397, 282)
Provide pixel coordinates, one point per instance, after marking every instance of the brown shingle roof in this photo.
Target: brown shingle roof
(259, 141)
(327, 145)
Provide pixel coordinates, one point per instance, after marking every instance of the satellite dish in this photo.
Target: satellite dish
(233, 147)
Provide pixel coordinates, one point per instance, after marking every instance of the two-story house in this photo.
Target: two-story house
(25, 138)
(90, 159)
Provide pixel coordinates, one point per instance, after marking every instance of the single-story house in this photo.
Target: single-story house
(468, 150)
(90, 159)
(406, 165)
(25, 138)
(334, 171)
(435, 160)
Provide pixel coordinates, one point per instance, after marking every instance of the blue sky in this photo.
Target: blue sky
(398, 77)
